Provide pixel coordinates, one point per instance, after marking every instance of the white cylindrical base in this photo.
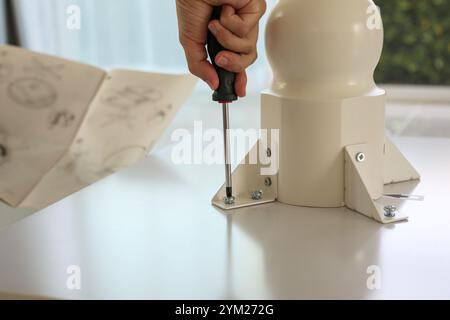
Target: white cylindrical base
(313, 135)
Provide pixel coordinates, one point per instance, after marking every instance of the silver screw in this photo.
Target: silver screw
(268, 182)
(257, 195)
(229, 200)
(269, 152)
(360, 157)
(390, 211)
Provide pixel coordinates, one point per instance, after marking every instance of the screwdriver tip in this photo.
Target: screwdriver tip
(229, 191)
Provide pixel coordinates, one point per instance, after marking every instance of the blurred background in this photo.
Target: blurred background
(417, 42)
(143, 34)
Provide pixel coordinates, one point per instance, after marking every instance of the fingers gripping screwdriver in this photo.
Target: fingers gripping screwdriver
(224, 95)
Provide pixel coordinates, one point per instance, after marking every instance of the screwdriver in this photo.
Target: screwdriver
(224, 95)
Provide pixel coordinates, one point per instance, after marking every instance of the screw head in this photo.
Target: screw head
(257, 195)
(229, 200)
(390, 211)
(360, 157)
(269, 152)
(267, 182)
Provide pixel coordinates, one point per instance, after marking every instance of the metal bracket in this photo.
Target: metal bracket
(396, 167)
(250, 187)
(365, 177)
(364, 185)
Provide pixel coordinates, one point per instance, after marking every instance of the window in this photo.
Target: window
(141, 34)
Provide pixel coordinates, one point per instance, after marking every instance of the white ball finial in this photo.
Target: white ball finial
(324, 48)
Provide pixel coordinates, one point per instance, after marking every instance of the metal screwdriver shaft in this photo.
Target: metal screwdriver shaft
(225, 94)
(226, 144)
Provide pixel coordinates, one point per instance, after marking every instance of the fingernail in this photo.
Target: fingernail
(222, 61)
(212, 28)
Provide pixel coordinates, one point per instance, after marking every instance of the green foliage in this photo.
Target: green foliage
(417, 42)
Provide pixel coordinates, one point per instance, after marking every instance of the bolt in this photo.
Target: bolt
(229, 200)
(360, 157)
(390, 211)
(257, 195)
(268, 182)
(269, 152)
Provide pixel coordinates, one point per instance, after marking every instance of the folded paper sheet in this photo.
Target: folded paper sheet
(65, 125)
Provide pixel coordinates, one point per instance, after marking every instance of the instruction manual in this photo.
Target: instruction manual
(65, 125)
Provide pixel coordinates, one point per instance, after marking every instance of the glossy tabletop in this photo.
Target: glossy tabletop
(150, 231)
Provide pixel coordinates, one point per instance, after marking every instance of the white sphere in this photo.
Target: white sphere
(324, 48)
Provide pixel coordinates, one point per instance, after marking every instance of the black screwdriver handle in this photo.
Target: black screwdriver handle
(227, 79)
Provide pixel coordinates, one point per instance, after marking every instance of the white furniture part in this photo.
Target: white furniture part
(331, 150)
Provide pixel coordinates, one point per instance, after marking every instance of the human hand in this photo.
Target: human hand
(237, 31)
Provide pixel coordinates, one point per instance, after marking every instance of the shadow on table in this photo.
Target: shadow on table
(312, 253)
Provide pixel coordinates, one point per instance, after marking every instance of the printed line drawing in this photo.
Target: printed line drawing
(123, 103)
(61, 119)
(128, 118)
(32, 93)
(4, 153)
(131, 97)
(6, 70)
(75, 154)
(40, 69)
(158, 117)
(86, 171)
(79, 166)
(10, 145)
(124, 117)
(6, 67)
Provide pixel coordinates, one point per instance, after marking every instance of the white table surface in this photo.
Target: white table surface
(150, 231)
